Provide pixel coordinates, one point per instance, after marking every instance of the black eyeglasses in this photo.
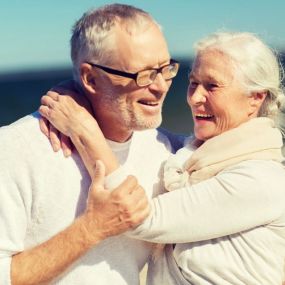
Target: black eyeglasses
(147, 76)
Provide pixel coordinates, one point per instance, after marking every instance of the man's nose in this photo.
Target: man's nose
(160, 85)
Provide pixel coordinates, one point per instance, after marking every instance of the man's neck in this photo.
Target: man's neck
(116, 134)
(111, 128)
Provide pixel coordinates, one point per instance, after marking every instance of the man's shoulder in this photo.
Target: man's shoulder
(164, 137)
(153, 141)
(24, 123)
(21, 134)
(177, 141)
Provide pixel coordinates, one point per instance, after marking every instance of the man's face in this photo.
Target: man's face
(122, 106)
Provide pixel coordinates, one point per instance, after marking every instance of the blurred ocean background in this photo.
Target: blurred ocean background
(21, 93)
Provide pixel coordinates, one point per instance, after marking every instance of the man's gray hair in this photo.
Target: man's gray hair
(258, 65)
(92, 38)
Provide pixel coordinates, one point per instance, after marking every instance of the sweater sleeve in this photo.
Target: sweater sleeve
(174, 175)
(242, 197)
(159, 149)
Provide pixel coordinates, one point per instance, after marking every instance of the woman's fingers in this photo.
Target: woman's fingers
(66, 145)
(54, 137)
(44, 124)
(53, 95)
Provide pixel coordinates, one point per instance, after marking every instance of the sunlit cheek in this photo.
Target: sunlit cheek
(189, 97)
(188, 100)
(122, 82)
(168, 83)
(223, 121)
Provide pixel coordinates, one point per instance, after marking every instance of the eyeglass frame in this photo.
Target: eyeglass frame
(134, 76)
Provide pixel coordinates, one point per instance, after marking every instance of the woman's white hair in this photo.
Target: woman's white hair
(255, 61)
(92, 35)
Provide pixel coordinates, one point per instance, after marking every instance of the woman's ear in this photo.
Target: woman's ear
(256, 100)
(88, 78)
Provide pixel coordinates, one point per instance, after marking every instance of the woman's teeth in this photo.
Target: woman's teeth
(203, 116)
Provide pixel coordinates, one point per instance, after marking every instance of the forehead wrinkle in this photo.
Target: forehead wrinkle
(214, 64)
(145, 61)
(212, 74)
(209, 77)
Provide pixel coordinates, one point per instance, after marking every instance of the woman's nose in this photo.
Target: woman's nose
(196, 95)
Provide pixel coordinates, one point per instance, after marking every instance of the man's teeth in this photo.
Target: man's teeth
(204, 115)
(149, 103)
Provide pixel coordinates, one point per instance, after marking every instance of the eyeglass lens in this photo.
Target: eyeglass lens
(146, 77)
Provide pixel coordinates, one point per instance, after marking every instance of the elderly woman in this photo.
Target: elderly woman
(226, 216)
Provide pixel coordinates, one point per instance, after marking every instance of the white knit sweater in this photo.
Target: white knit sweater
(229, 229)
(41, 192)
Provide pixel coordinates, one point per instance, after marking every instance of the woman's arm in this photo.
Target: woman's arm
(243, 197)
(69, 115)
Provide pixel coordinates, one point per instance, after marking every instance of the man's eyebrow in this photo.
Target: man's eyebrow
(165, 62)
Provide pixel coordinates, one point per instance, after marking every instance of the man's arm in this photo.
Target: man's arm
(46, 261)
(107, 214)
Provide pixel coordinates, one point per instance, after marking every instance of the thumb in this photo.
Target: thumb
(99, 175)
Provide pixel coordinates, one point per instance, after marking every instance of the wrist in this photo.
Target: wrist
(90, 233)
(83, 127)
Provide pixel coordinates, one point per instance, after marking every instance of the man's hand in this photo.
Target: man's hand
(111, 213)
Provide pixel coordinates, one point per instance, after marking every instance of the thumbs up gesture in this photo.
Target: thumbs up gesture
(110, 213)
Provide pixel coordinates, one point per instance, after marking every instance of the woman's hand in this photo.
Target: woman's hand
(59, 106)
(66, 113)
(71, 116)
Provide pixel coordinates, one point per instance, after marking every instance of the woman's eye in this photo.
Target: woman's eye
(211, 86)
(193, 84)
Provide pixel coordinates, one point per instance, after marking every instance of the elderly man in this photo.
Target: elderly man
(53, 229)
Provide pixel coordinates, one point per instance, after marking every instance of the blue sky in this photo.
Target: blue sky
(35, 33)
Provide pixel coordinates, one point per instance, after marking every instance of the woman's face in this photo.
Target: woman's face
(216, 97)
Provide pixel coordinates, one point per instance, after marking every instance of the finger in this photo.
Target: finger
(138, 194)
(44, 111)
(66, 145)
(142, 216)
(44, 126)
(137, 201)
(137, 216)
(99, 176)
(141, 207)
(53, 94)
(48, 101)
(126, 187)
(54, 138)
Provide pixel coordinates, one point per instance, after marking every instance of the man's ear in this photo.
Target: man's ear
(256, 100)
(88, 78)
